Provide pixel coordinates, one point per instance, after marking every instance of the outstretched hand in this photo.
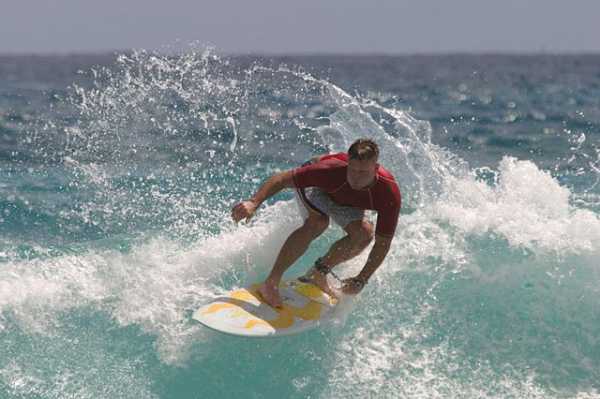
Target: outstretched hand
(244, 209)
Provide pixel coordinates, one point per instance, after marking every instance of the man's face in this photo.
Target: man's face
(361, 173)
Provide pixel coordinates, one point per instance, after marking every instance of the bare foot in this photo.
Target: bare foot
(321, 281)
(270, 294)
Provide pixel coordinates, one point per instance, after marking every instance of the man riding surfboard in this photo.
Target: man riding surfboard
(341, 187)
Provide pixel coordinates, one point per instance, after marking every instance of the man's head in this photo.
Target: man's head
(362, 163)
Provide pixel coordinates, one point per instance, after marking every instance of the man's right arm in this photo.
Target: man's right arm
(273, 185)
(317, 174)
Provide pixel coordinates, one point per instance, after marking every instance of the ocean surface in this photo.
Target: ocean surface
(117, 177)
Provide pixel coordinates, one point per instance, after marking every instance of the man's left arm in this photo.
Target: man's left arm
(378, 253)
(387, 220)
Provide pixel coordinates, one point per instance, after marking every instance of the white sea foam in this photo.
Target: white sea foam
(527, 207)
(155, 286)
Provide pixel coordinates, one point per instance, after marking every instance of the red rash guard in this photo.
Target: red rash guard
(329, 174)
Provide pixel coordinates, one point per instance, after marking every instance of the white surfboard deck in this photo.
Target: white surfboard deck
(242, 312)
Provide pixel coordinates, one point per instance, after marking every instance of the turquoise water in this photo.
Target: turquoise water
(118, 173)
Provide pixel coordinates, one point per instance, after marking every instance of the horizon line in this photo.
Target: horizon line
(304, 53)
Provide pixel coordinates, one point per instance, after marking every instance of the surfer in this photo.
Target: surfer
(339, 186)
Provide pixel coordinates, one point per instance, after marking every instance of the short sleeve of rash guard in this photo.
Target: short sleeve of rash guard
(314, 175)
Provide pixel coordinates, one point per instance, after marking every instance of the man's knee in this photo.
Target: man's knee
(316, 225)
(361, 232)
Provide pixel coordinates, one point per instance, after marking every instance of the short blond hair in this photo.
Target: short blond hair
(363, 150)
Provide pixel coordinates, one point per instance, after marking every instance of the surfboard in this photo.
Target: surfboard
(242, 311)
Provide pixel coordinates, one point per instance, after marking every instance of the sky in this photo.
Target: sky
(304, 26)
